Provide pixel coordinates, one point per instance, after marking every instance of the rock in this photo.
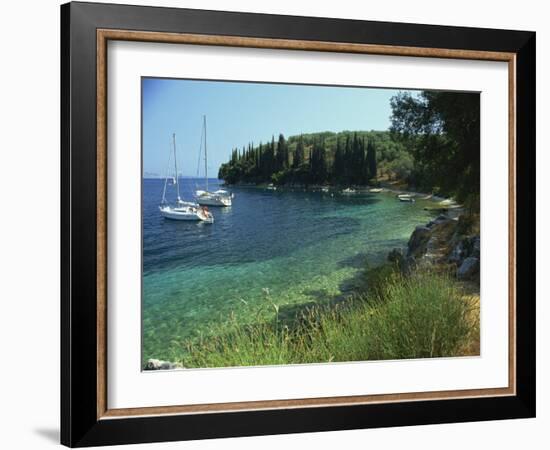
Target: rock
(157, 364)
(439, 219)
(395, 256)
(406, 264)
(468, 269)
(457, 254)
(476, 247)
(418, 242)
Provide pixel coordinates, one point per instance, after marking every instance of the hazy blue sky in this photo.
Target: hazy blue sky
(238, 113)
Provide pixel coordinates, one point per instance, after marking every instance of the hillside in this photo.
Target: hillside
(347, 157)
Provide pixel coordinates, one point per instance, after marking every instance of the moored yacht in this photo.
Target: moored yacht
(220, 197)
(216, 198)
(186, 213)
(182, 210)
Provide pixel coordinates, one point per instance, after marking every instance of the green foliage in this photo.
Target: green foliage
(371, 161)
(344, 158)
(433, 145)
(417, 317)
(442, 130)
(402, 167)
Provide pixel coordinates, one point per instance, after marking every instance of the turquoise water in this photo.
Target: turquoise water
(270, 248)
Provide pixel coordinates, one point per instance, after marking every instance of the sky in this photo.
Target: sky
(241, 112)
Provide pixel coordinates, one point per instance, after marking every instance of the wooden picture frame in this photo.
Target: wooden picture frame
(86, 418)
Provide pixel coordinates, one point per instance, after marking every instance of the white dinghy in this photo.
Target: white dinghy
(183, 210)
(406, 198)
(349, 191)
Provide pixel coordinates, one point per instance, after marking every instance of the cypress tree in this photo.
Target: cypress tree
(371, 161)
(348, 162)
(298, 154)
(282, 153)
(338, 164)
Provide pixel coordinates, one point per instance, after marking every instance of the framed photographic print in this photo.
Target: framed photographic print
(276, 224)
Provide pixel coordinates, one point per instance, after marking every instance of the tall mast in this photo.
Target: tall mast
(167, 173)
(205, 155)
(176, 167)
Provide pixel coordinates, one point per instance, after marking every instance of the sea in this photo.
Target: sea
(271, 250)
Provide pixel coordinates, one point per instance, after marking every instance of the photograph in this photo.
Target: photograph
(307, 224)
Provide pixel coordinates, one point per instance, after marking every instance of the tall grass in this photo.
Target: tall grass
(421, 316)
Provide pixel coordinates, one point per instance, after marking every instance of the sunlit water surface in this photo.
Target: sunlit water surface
(285, 248)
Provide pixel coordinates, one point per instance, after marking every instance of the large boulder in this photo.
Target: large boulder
(457, 254)
(418, 243)
(468, 269)
(441, 218)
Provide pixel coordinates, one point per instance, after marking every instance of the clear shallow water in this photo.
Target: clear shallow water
(301, 246)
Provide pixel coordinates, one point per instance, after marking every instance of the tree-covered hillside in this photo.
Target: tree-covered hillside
(348, 157)
(433, 145)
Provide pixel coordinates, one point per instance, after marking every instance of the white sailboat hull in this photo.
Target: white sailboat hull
(211, 199)
(187, 214)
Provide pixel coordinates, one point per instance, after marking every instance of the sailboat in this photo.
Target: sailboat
(221, 197)
(183, 210)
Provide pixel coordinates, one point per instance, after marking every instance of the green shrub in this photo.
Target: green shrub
(421, 316)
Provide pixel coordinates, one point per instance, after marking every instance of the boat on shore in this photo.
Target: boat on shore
(406, 198)
(349, 191)
(182, 210)
(221, 197)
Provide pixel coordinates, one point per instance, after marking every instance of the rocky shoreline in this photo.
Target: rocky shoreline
(443, 243)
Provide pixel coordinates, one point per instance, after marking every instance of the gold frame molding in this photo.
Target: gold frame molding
(105, 35)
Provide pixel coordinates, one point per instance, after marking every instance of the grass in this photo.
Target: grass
(422, 316)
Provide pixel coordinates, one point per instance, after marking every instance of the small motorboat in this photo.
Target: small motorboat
(375, 190)
(406, 198)
(348, 191)
(447, 202)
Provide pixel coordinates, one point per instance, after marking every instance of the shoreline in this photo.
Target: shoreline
(442, 204)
